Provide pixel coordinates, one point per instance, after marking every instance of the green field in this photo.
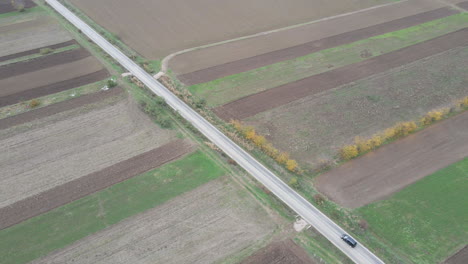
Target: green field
(224, 90)
(40, 235)
(428, 219)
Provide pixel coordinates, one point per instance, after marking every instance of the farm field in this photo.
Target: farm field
(280, 252)
(156, 29)
(428, 217)
(378, 175)
(458, 258)
(6, 7)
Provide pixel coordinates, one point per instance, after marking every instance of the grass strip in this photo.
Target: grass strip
(230, 88)
(426, 220)
(39, 55)
(56, 229)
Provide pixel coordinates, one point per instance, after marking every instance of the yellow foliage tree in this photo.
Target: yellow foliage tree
(282, 158)
(432, 116)
(291, 165)
(270, 150)
(236, 124)
(348, 152)
(259, 141)
(463, 103)
(375, 142)
(249, 132)
(362, 145)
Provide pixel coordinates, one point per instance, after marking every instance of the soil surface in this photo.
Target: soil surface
(35, 51)
(86, 185)
(204, 225)
(6, 6)
(377, 175)
(263, 101)
(463, 5)
(258, 61)
(58, 108)
(245, 48)
(461, 257)
(284, 252)
(51, 151)
(187, 23)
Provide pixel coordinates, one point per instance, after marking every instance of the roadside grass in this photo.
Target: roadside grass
(56, 229)
(230, 88)
(426, 220)
(25, 12)
(47, 100)
(39, 55)
(320, 248)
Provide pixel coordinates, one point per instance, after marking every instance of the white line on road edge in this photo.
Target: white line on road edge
(301, 206)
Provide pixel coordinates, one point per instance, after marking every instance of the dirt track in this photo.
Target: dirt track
(81, 187)
(51, 151)
(242, 49)
(283, 252)
(34, 51)
(205, 225)
(377, 175)
(258, 61)
(461, 257)
(260, 102)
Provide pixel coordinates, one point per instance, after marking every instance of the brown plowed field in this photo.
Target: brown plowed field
(6, 6)
(205, 225)
(14, 69)
(242, 49)
(284, 252)
(34, 51)
(375, 176)
(58, 108)
(51, 151)
(461, 257)
(463, 5)
(260, 102)
(258, 61)
(157, 28)
(81, 187)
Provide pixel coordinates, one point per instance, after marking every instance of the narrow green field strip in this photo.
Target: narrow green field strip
(56, 229)
(428, 219)
(17, 14)
(39, 55)
(230, 88)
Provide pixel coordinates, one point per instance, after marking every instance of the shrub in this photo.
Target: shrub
(319, 199)
(323, 165)
(45, 51)
(405, 128)
(375, 142)
(270, 150)
(201, 103)
(348, 152)
(362, 145)
(259, 141)
(291, 165)
(232, 162)
(34, 103)
(249, 132)
(236, 124)
(164, 122)
(463, 103)
(294, 183)
(363, 224)
(282, 158)
(111, 83)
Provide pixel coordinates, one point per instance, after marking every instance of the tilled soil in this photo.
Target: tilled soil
(205, 225)
(57, 108)
(284, 252)
(51, 151)
(34, 51)
(461, 257)
(258, 61)
(81, 187)
(200, 59)
(463, 5)
(14, 69)
(260, 102)
(389, 169)
(6, 6)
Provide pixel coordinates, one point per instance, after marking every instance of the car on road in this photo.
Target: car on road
(349, 240)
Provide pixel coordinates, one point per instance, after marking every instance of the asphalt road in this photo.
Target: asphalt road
(302, 207)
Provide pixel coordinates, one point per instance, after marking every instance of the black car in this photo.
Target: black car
(349, 240)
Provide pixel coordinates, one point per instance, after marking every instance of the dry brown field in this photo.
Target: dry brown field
(377, 175)
(206, 225)
(158, 28)
(282, 252)
(461, 257)
(6, 6)
(244, 49)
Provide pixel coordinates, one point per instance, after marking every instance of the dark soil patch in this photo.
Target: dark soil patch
(461, 257)
(247, 64)
(40, 63)
(379, 174)
(34, 51)
(53, 88)
(6, 6)
(284, 252)
(91, 183)
(57, 108)
(463, 5)
(260, 102)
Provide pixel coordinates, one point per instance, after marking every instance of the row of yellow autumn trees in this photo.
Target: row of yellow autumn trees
(249, 133)
(400, 130)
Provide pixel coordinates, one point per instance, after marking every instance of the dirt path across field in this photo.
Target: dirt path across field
(283, 252)
(461, 257)
(212, 56)
(35, 51)
(260, 102)
(258, 61)
(76, 189)
(14, 69)
(58, 108)
(376, 176)
(205, 225)
(6, 6)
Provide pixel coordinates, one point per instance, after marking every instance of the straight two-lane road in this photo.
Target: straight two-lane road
(302, 207)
